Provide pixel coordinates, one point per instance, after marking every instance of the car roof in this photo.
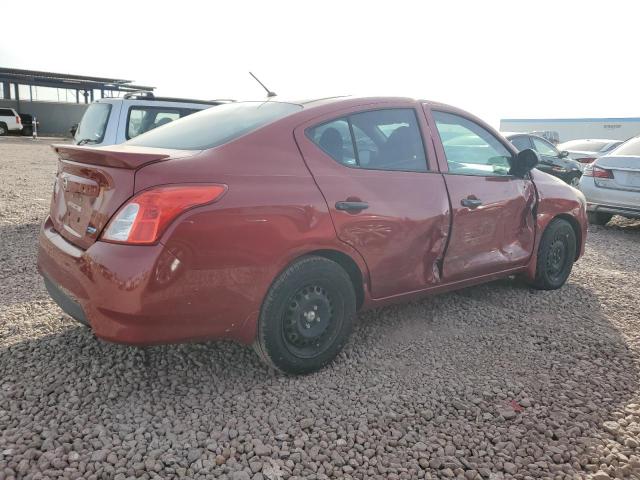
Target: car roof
(513, 134)
(161, 100)
(510, 135)
(593, 140)
(324, 105)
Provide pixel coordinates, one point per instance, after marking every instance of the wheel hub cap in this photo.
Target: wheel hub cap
(556, 258)
(308, 316)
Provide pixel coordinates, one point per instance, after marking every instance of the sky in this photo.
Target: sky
(496, 59)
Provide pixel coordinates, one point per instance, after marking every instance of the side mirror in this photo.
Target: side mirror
(524, 162)
(73, 129)
(563, 154)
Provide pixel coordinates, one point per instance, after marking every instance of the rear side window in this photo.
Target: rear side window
(141, 119)
(378, 140)
(521, 143)
(470, 148)
(215, 126)
(5, 112)
(93, 123)
(611, 146)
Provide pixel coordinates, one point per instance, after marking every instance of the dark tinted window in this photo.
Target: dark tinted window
(521, 143)
(215, 126)
(93, 123)
(384, 140)
(470, 148)
(5, 112)
(335, 139)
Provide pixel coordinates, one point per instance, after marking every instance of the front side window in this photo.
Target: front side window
(93, 124)
(544, 148)
(471, 149)
(386, 139)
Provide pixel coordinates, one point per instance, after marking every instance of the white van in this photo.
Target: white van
(110, 121)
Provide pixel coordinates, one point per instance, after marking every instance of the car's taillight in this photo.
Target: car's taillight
(585, 159)
(143, 219)
(594, 171)
(18, 121)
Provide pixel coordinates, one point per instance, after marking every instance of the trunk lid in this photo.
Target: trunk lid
(625, 169)
(92, 183)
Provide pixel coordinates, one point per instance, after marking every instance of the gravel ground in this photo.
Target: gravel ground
(497, 381)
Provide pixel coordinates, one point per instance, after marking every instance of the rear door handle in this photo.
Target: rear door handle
(471, 202)
(351, 206)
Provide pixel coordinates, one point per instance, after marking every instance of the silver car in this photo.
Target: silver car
(587, 150)
(611, 184)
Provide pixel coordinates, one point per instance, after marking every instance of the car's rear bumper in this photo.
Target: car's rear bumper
(610, 200)
(65, 301)
(134, 294)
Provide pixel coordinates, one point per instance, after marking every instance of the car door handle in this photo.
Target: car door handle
(471, 202)
(351, 206)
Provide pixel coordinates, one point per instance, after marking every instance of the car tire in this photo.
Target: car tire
(556, 254)
(3, 129)
(599, 218)
(306, 317)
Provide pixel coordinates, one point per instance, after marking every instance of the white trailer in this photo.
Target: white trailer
(575, 128)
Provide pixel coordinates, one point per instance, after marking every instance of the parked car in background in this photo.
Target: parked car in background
(611, 184)
(9, 121)
(549, 135)
(271, 223)
(552, 160)
(587, 150)
(111, 121)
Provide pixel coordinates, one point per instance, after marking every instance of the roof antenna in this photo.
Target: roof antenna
(269, 92)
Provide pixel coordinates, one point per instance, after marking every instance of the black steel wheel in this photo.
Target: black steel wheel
(556, 254)
(306, 317)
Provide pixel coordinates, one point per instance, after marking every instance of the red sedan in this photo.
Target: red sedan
(272, 223)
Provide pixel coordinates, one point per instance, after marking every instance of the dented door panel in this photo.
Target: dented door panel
(403, 231)
(498, 234)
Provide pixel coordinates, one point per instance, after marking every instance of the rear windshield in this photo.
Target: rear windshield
(93, 123)
(215, 126)
(582, 146)
(630, 147)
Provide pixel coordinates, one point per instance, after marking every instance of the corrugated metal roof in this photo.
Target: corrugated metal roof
(66, 79)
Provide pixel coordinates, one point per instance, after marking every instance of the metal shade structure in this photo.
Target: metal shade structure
(83, 85)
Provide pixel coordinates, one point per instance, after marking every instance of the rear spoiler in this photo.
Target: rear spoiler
(131, 158)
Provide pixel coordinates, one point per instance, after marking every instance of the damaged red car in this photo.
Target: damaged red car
(271, 223)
